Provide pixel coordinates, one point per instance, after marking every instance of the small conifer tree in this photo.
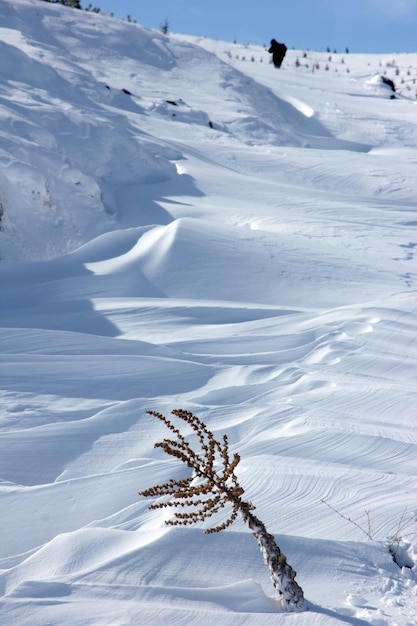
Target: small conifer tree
(75, 4)
(213, 486)
(165, 27)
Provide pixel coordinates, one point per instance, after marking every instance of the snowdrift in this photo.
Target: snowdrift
(183, 226)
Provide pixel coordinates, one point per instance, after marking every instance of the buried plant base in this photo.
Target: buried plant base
(401, 552)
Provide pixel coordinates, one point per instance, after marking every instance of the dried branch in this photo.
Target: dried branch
(368, 532)
(212, 487)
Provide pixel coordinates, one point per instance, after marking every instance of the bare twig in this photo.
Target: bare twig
(394, 541)
(367, 532)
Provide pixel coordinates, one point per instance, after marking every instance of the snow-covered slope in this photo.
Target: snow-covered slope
(186, 227)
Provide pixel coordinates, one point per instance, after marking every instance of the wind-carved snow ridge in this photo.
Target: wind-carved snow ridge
(257, 270)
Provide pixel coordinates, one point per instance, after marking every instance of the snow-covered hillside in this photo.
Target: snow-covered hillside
(184, 226)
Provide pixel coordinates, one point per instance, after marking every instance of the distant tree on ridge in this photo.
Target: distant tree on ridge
(165, 27)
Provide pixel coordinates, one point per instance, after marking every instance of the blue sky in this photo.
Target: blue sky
(361, 25)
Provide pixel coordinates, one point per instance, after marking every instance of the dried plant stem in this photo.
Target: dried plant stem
(290, 594)
(217, 489)
(368, 532)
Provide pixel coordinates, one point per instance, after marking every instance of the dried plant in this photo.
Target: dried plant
(212, 487)
(394, 541)
(368, 531)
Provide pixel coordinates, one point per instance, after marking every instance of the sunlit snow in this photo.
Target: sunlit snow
(184, 226)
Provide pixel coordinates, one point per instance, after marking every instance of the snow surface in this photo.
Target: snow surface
(186, 227)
